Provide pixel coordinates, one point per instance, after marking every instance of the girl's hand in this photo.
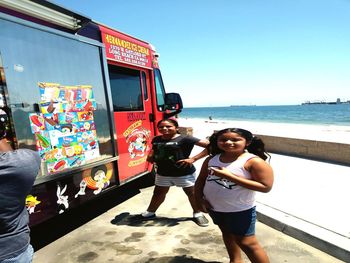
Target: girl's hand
(221, 172)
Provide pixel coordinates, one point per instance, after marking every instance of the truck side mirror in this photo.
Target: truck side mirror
(172, 104)
(173, 101)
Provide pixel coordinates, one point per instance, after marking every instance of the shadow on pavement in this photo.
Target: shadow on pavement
(137, 220)
(178, 259)
(60, 225)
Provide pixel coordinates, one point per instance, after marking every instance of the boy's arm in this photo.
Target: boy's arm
(150, 157)
(199, 155)
(189, 161)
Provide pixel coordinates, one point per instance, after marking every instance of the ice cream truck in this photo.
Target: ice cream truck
(85, 96)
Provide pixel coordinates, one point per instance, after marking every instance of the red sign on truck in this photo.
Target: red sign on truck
(125, 49)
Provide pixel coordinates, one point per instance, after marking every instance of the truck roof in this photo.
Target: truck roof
(45, 11)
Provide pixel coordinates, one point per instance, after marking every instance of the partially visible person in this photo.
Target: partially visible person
(170, 153)
(226, 189)
(18, 169)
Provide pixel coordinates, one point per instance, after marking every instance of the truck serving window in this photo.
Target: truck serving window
(42, 69)
(126, 89)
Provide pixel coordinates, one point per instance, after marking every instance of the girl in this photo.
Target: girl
(226, 189)
(170, 152)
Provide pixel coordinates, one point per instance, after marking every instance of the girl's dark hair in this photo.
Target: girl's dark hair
(173, 121)
(254, 144)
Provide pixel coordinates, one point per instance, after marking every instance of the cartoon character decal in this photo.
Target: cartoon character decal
(138, 142)
(82, 185)
(31, 203)
(62, 200)
(101, 182)
(98, 178)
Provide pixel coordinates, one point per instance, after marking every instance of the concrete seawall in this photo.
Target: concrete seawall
(318, 150)
(311, 149)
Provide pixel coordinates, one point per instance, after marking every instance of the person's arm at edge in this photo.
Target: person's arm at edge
(5, 146)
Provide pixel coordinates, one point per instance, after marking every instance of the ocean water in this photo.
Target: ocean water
(316, 114)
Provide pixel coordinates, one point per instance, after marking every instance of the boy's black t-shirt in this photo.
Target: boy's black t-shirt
(168, 152)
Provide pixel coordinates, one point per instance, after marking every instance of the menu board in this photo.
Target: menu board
(64, 130)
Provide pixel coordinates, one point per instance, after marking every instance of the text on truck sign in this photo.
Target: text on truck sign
(126, 50)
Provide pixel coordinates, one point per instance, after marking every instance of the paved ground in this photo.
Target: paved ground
(310, 199)
(115, 236)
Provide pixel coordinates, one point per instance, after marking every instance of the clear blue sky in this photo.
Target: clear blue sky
(239, 52)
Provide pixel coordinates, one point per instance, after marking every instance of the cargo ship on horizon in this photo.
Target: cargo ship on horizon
(338, 101)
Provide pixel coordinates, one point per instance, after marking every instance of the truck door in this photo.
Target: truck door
(133, 118)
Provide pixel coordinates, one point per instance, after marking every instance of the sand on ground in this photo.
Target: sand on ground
(330, 133)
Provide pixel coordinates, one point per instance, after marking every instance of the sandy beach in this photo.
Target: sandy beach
(330, 133)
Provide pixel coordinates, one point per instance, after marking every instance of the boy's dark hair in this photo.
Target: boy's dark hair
(171, 120)
(255, 144)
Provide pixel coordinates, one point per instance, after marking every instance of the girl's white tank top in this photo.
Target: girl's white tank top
(224, 195)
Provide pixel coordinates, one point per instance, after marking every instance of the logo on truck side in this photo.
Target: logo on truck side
(137, 138)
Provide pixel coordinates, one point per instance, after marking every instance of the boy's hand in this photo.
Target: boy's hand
(204, 206)
(185, 162)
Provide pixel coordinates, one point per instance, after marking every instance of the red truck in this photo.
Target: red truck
(85, 96)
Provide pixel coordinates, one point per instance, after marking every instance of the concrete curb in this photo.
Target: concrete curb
(316, 236)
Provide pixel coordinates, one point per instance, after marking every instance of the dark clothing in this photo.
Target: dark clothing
(241, 223)
(18, 170)
(168, 152)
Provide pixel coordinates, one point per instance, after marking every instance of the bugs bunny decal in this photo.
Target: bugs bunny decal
(62, 200)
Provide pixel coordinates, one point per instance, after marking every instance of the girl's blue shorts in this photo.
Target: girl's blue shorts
(240, 223)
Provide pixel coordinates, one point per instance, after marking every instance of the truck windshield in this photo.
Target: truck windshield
(159, 89)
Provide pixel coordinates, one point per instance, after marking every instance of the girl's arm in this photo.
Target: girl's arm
(202, 204)
(261, 172)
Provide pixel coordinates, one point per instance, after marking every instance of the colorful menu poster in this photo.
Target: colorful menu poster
(64, 130)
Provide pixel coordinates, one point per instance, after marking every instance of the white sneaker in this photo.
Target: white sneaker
(201, 220)
(147, 214)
